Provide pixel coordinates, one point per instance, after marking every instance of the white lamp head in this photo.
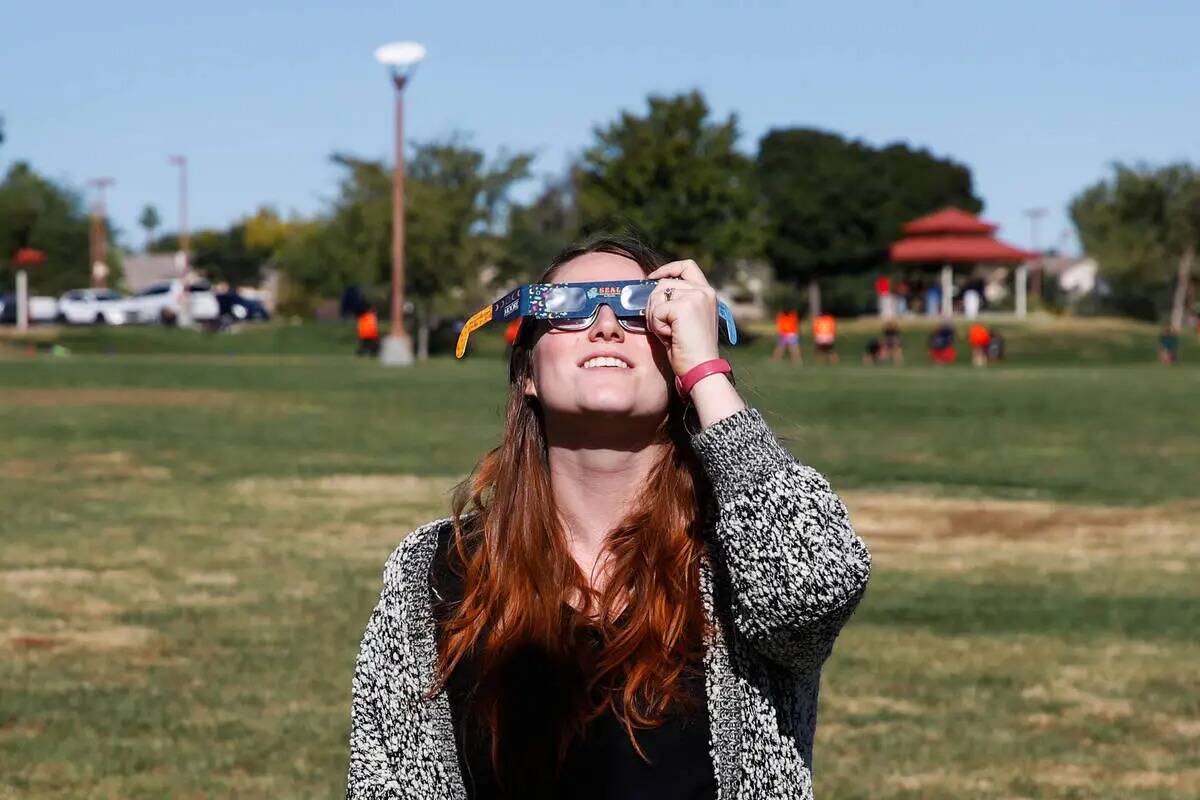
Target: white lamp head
(400, 55)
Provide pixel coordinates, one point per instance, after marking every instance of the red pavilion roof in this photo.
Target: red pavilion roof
(956, 250)
(954, 236)
(949, 220)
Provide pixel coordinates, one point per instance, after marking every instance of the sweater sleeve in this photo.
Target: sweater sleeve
(370, 775)
(796, 568)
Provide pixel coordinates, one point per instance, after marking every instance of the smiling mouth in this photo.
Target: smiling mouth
(604, 362)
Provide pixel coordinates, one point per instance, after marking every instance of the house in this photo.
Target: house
(149, 268)
(1076, 276)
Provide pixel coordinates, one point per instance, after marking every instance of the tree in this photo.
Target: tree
(674, 176)
(225, 255)
(833, 205)
(1143, 224)
(455, 206)
(537, 232)
(36, 212)
(150, 221)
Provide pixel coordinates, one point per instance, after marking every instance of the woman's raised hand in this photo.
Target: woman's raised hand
(687, 322)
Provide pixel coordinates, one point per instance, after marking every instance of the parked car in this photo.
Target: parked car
(92, 307)
(41, 309)
(233, 307)
(160, 302)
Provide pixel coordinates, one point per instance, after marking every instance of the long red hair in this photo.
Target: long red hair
(509, 548)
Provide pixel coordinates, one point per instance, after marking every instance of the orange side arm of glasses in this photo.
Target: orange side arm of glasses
(477, 321)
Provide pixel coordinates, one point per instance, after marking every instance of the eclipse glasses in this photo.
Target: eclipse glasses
(574, 306)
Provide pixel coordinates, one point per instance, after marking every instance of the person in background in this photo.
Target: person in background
(787, 336)
(1168, 346)
(903, 292)
(368, 331)
(511, 331)
(352, 302)
(825, 338)
(995, 346)
(893, 345)
(933, 301)
(979, 336)
(883, 293)
(874, 354)
(941, 344)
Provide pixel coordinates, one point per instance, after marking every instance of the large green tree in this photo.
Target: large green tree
(37, 212)
(538, 231)
(226, 255)
(675, 176)
(833, 205)
(455, 206)
(1143, 224)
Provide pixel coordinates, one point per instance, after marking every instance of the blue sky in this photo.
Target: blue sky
(1038, 98)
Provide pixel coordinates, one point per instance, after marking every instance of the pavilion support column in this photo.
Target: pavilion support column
(947, 290)
(1022, 281)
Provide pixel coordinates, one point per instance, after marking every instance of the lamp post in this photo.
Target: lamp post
(98, 240)
(402, 59)
(1034, 215)
(181, 255)
(25, 258)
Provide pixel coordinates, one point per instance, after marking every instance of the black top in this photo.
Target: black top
(538, 693)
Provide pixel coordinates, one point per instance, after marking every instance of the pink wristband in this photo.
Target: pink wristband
(685, 382)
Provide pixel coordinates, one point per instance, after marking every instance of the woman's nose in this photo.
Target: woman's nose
(606, 327)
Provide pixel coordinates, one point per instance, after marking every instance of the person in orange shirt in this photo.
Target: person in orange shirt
(978, 336)
(787, 335)
(511, 331)
(825, 337)
(368, 332)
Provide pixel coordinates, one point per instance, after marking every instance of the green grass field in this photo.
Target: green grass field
(192, 530)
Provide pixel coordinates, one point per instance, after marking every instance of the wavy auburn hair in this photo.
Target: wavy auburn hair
(510, 549)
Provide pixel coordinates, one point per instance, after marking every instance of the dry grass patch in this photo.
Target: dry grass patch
(106, 638)
(31, 584)
(115, 464)
(958, 534)
(345, 492)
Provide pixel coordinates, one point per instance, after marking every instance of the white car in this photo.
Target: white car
(92, 307)
(40, 308)
(161, 302)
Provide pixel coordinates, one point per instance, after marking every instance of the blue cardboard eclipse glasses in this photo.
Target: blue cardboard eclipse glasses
(573, 306)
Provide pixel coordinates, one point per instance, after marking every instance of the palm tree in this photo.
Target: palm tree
(149, 220)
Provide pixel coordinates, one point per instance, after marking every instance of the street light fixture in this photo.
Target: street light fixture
(402, 59)
(181, 255)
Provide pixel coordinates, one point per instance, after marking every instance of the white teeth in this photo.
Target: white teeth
(604, 361)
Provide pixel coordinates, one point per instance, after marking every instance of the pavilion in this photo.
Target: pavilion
(953, 236)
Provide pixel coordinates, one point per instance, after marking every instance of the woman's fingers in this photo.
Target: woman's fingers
(687, 270)
(686, 299)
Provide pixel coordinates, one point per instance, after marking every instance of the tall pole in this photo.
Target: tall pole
(1035, 214)
(397, 348)
(181, 256)
(98, 239)
(181, 162)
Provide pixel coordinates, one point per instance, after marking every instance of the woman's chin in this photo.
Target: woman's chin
(613, 404)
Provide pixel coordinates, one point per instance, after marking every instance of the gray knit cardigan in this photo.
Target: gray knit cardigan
(784, 570)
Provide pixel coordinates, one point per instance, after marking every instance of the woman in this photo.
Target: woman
(634, 595)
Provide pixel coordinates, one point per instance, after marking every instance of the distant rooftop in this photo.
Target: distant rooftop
(143, 270)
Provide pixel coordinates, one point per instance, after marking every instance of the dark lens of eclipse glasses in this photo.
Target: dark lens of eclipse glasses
(631, 324)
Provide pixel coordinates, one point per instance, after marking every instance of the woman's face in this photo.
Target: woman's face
(566, 379)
